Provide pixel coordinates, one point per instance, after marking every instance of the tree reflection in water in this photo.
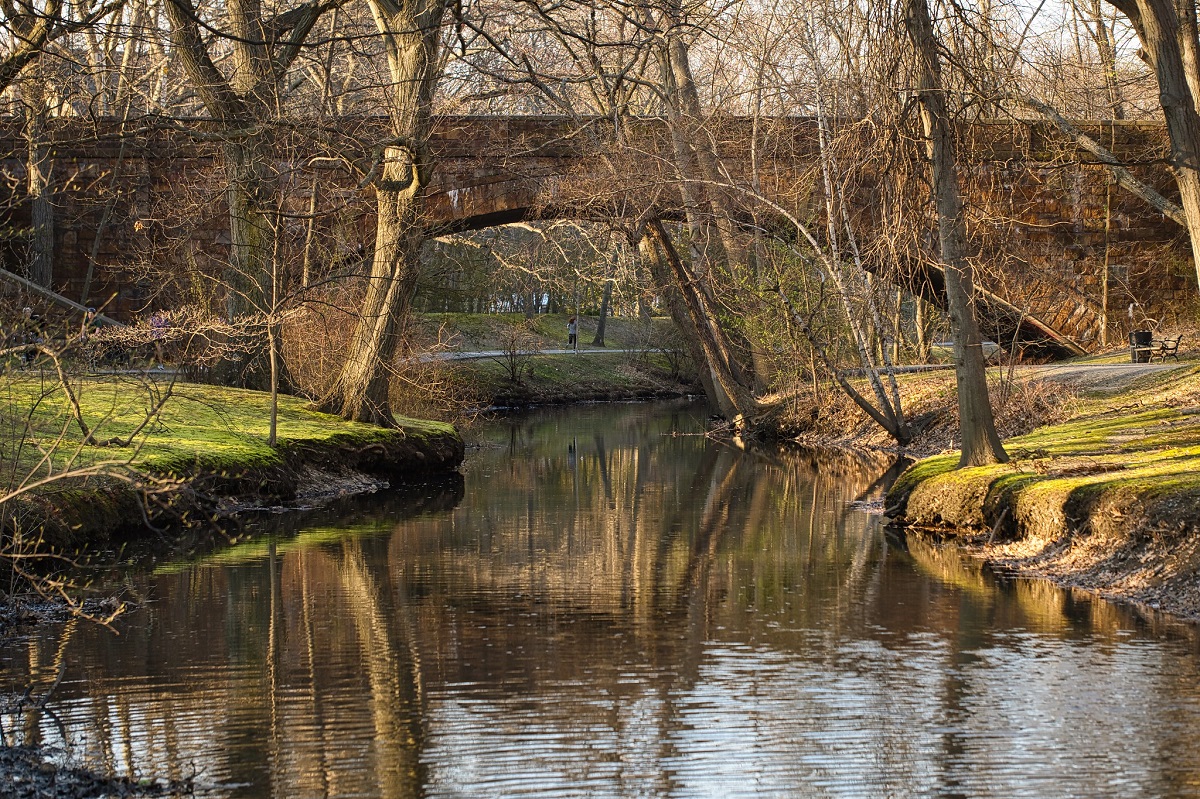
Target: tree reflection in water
(612, 604)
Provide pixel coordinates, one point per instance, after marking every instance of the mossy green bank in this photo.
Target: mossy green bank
(207, 443)
(1108, 500)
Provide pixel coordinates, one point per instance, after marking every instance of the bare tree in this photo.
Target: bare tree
(980, 442)
(412, 36)
(242, 101)
(1169, 36)
(28, 27)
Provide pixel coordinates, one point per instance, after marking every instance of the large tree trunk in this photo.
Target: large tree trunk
(733, 399)
(688, 124)
(1169, 40)
(251, 234)
(661, 276)
(708, 205)
(361, 392)
(411, 32)
(980, 442)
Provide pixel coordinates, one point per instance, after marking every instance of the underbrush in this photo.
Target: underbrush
(930, 405)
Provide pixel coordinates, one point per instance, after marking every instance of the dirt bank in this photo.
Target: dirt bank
(77, 513)
(1107, 500)
(203, 454)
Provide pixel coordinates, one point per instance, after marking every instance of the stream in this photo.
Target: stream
(610, 604)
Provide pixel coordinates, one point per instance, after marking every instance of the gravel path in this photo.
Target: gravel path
(1095, 377)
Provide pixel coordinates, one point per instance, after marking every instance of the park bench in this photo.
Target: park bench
(1166, 348)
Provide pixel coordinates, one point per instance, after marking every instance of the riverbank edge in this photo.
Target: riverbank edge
(91, 511)
(1107, 503)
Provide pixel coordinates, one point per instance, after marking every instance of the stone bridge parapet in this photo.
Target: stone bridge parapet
(1044, 218)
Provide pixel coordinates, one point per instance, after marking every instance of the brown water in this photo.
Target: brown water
(611, 605)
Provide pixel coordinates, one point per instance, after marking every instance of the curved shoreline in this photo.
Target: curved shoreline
(201, 455)
(1107, 501)
(93, 510)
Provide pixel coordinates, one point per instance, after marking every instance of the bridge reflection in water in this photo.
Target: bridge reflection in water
(613, 605)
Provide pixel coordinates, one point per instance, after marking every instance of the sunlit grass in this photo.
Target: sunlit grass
(198, 427)
(481, 332)
(1139, 446)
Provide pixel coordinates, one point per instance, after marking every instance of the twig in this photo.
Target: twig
(996, 526)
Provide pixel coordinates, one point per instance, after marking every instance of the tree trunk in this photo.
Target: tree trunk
(660, 273)
(361, 392)
(38, 165)
(411, 31)
(1108, 59)
(251, 235)
(605, 300)
(924, 347)
(707, 204)
(733, 400)
(1169, 42)
(980, 442)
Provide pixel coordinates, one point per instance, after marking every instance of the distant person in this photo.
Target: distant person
(572, 334)
(89, 325)
(160, 324)
(30, 333)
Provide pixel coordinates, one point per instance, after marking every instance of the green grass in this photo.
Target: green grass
(487, 331)
(563, 378)
(1132, 456)
(200, 427)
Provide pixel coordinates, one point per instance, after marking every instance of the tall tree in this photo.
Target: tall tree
(242, 100)
(980, 442)
(412, 34)
(1168, 32)
(27, 27)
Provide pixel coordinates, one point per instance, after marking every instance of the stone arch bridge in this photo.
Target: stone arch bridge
(1045, 221)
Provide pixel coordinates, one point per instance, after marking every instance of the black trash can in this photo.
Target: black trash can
(1139, 346)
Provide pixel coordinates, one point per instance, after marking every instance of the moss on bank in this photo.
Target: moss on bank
(208, 444)
(1108, 500)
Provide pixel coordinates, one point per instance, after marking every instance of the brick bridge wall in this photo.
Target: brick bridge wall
(1044, 219)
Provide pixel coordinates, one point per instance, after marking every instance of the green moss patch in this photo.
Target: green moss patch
(198, 427)
(211, 438)
(1106, 500)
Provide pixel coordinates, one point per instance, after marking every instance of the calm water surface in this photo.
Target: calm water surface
(612, 605)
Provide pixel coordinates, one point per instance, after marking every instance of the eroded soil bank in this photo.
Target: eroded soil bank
(203, 453)
(1107, 500)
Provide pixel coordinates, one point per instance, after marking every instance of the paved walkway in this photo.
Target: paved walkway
(455, 355)
(1099, 376)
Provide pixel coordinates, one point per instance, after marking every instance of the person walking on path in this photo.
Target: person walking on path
(30, 333)
(572, 334)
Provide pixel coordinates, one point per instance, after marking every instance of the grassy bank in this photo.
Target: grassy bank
(467, 332)
(642, 359)
(1108, 499)
(193, 448)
